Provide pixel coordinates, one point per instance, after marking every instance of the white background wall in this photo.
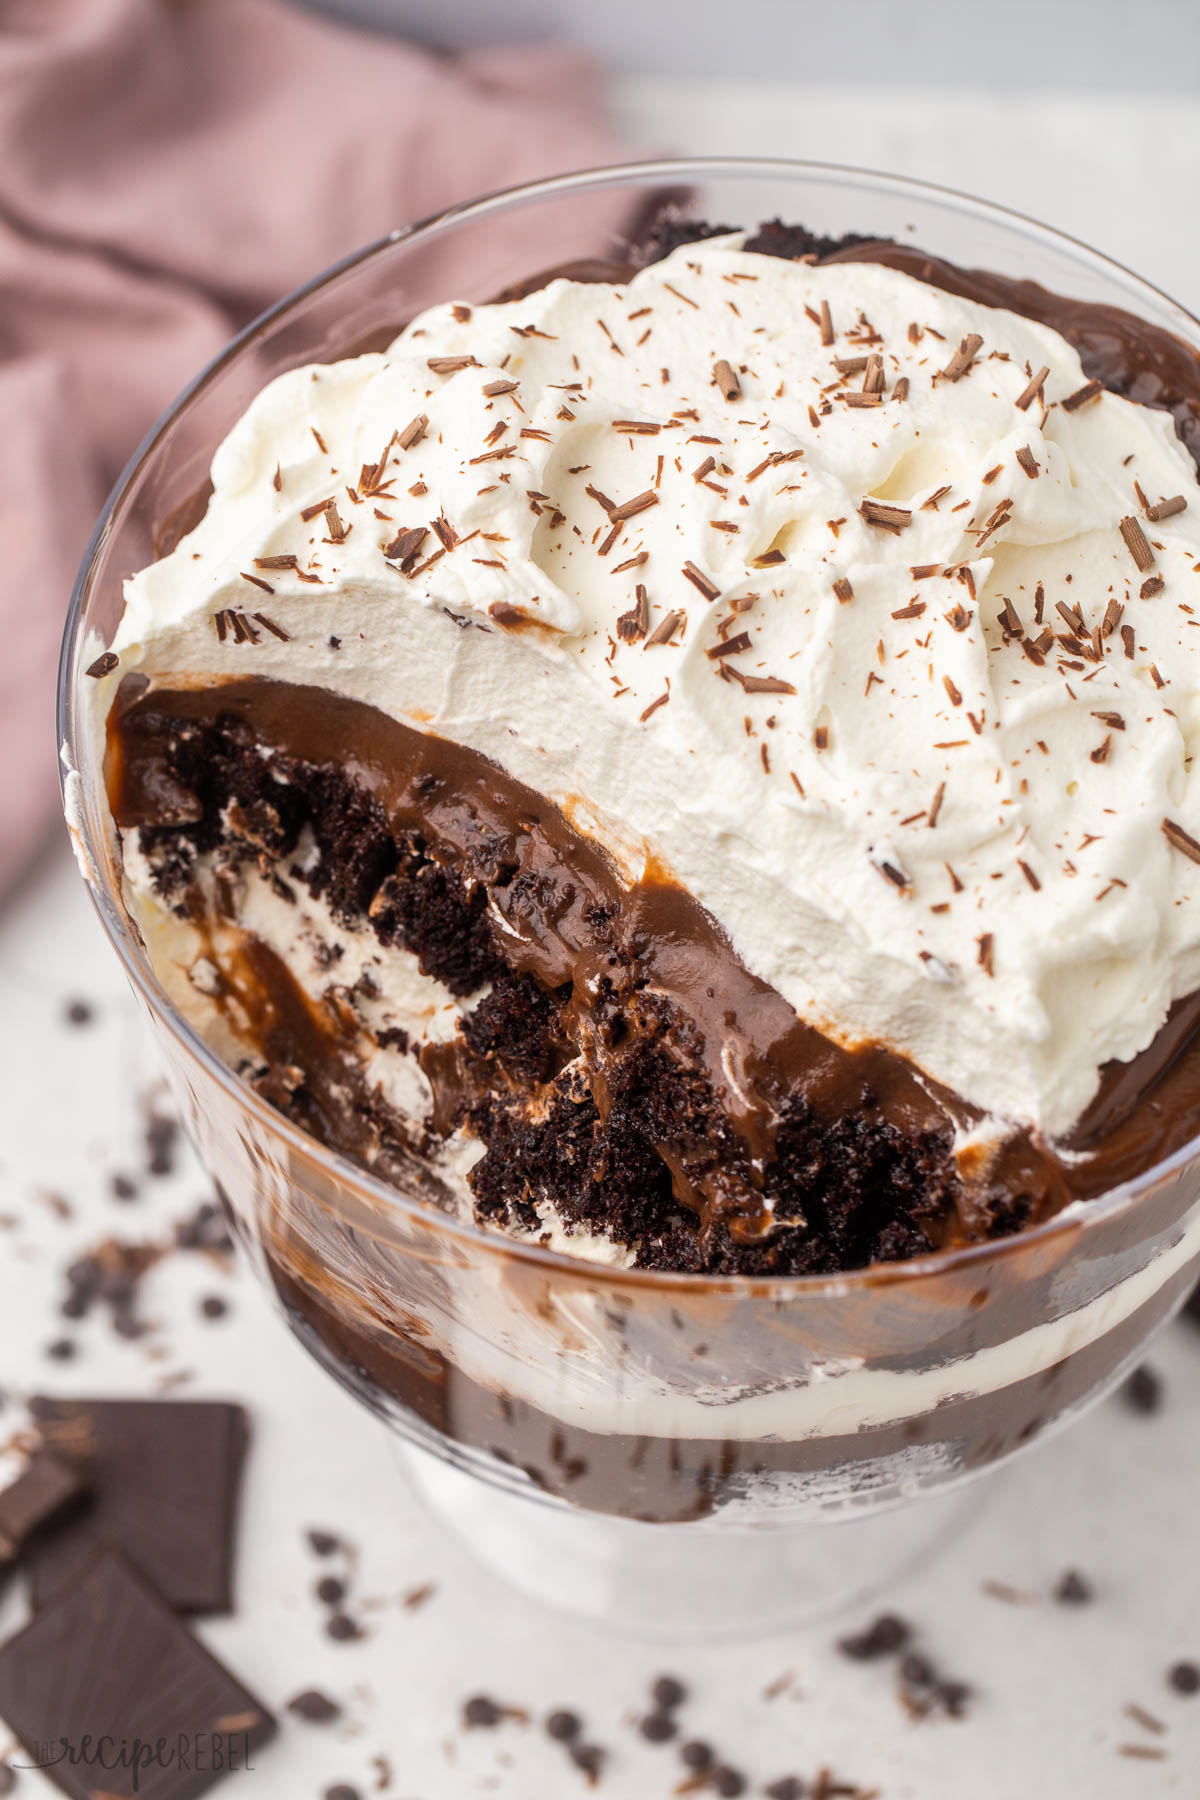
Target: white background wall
(1117, 45)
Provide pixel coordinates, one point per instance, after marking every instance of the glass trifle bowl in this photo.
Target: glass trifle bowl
(669, 1451)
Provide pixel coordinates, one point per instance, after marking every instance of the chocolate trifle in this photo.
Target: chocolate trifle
(690, 764)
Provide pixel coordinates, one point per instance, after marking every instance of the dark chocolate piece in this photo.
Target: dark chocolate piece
(42, 1492)
(107, 1665)
(165, 1478)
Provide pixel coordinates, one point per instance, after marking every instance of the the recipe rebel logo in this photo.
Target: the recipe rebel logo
(223, 1751)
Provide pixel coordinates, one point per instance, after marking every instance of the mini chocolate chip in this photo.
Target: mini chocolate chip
(78, 1012)
(342, 1628)
(75, 1306)
(916, 1669)
(1143, 1392)
(696, 1754)
(62, 1349)
(342, 1791)
(122, 1187)
(658, 1727)
(668, 1692)
(480, 1710)
(1184, 1677)
(788, 1787)
(314, 1707)
(1073, 1590)
(562, 1726)
(213, 1306)
(729, 1783)
(330, 1590)
(323, 1543)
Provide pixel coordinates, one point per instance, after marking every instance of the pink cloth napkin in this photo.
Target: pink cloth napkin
(167, 169)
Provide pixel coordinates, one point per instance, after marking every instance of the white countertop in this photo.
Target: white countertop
(1115, 1498)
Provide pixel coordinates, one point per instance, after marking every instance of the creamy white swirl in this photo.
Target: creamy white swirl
(853, 643)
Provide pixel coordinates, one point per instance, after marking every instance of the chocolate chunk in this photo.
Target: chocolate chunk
(42, 1492)
(668, 1692)
(314, 1707)
(106, 1660)
(164, 1476)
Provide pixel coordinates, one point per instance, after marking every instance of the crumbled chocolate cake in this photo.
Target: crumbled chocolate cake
(845, 1191)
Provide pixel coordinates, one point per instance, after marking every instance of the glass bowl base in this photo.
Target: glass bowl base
(704, 1580)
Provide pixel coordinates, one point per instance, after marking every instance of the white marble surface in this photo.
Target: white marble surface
(1116, 1497)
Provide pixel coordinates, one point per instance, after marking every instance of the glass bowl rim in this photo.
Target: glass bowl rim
(1072, 1220)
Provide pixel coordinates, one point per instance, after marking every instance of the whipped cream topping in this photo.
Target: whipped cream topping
(848, 601)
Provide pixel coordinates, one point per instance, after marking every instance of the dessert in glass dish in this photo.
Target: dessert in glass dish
(650, 802)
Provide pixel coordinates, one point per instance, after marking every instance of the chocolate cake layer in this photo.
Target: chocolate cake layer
(595, 1069)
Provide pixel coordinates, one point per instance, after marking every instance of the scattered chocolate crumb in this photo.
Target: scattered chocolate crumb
(481, 1711)
(1072, 1589)
(843, 590)
(1153, 584)
(342, 1628)
(658, 1727)
(668, 1692)
(104, 664)
(417, 1597)
(314, 1707)
(884, 1637)
(1143, 1391)
(589, 1758)
(696, 1754)
(727, 1782)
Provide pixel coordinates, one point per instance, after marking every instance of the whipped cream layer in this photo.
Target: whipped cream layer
(793, 580)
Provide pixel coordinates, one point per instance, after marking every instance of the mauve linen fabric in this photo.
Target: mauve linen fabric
(167, 169)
